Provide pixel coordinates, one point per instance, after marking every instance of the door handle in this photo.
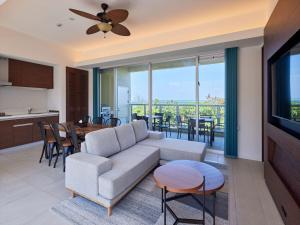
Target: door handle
(23, 125)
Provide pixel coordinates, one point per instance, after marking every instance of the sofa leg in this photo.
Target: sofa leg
(109, 211)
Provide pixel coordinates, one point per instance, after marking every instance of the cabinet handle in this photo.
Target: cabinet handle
(23, 125)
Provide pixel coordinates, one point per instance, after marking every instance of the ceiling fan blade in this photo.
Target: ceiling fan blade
(93, 29)
(120, 30)
(117, 15)
(84, 14)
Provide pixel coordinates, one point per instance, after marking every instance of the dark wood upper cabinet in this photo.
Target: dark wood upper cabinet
(77, 94)
(27, 74)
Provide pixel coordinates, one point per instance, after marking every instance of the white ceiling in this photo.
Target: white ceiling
(38, 18)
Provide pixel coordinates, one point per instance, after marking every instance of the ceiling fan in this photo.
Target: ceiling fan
(107, 21)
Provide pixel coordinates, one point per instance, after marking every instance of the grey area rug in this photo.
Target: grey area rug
(142, 206)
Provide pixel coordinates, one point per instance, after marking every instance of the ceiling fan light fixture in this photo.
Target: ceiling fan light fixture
(2, 2)
(104, 27)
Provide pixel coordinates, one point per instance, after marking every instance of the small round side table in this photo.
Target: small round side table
(183, 179)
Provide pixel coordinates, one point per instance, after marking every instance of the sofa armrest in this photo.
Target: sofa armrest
(156, 135)
(83, 170)
(83, 147)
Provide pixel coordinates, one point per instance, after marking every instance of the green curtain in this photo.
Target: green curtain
(231, 123)
(96, 93)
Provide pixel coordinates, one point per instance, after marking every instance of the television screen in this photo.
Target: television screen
(285, 78)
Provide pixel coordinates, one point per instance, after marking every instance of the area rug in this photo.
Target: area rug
(142, 206)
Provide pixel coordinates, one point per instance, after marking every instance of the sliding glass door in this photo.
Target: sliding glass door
(186, 97)
(211, 76)
(173, 96)
(132, 91)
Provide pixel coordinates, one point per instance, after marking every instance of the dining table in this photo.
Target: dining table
(84, 130)
(211, 123)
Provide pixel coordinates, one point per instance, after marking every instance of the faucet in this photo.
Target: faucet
(29, 110)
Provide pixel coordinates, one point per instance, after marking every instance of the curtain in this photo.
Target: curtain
(96, 93)
(231, 124)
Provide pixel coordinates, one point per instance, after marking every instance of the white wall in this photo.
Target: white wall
(24, 47)
(15, 100)
(250, 103)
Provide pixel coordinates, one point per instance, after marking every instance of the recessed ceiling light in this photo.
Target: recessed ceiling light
(59, 25)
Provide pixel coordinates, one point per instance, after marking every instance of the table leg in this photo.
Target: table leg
(203, 209)
(214, 208)
(165, 207)
(162, 200)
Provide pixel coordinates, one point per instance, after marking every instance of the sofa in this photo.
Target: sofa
(113, 160)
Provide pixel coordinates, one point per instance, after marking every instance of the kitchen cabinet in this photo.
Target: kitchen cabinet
(6, 134)
(27, 74)
(22, 131)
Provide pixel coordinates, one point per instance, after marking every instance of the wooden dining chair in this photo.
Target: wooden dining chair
(48, 139)
(74, 138)
(63, 144)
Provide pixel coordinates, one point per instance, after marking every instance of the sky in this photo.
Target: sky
(178, 84)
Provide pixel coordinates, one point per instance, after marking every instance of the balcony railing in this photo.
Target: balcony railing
(216, 111)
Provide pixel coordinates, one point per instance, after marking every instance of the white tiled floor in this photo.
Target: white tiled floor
(29, 189)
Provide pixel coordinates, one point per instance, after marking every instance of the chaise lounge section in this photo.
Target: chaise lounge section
(113, 160)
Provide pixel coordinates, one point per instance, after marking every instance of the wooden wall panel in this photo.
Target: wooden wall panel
(281, 150)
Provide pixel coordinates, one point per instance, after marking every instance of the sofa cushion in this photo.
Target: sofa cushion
(128, 166)
(174, 149)
(140, 130)
(102, 142)
(126, 136)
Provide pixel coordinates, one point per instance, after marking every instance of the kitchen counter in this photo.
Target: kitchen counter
(28, 116)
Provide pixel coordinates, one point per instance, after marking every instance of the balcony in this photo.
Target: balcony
(188, 111)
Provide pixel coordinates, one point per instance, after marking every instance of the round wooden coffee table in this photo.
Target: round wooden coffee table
(177, 178)
(214, 181)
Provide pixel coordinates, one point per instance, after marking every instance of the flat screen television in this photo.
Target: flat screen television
(284, 87)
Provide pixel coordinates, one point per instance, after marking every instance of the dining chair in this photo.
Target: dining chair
(180, 125)
(48, 139)
(76, 142)
(134, 116)
(99, 120)
(192, 128)
(219, 129)
(63, 144)
(41, 125)
(158, 121)
(166, 125)
(113, 122)
(86, 119)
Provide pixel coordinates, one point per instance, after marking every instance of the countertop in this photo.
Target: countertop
(27, 116)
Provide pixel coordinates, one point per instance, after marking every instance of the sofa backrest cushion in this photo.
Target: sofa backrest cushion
(102, 142)
(140, 130)
(126, 136)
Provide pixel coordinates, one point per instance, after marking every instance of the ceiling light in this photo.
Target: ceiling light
(2, 1)
(104, 27)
